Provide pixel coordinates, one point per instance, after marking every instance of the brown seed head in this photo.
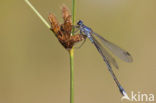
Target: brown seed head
(63, 31)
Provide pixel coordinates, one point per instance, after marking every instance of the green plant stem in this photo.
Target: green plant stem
(71, 75)
(73, 15)
(37, 13)
(72, 58)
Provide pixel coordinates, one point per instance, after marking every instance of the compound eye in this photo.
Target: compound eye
(79, 22)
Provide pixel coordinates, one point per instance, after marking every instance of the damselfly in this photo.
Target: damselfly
(108, 59)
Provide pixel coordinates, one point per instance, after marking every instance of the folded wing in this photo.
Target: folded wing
(103, 52)
(116, 50)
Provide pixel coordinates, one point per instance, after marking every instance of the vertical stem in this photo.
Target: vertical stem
(72, 58)
(71, 76)
(73, 15)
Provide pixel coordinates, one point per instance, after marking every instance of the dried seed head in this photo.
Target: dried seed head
(63, 31)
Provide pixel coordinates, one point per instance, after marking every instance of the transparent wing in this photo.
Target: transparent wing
(106, 60)
(106, 54)
(84, 40)
(76, 28)
(121, 53)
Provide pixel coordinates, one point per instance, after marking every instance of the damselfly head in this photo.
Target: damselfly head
(80, 22)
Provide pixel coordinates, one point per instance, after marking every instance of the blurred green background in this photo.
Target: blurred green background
(34, 67)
